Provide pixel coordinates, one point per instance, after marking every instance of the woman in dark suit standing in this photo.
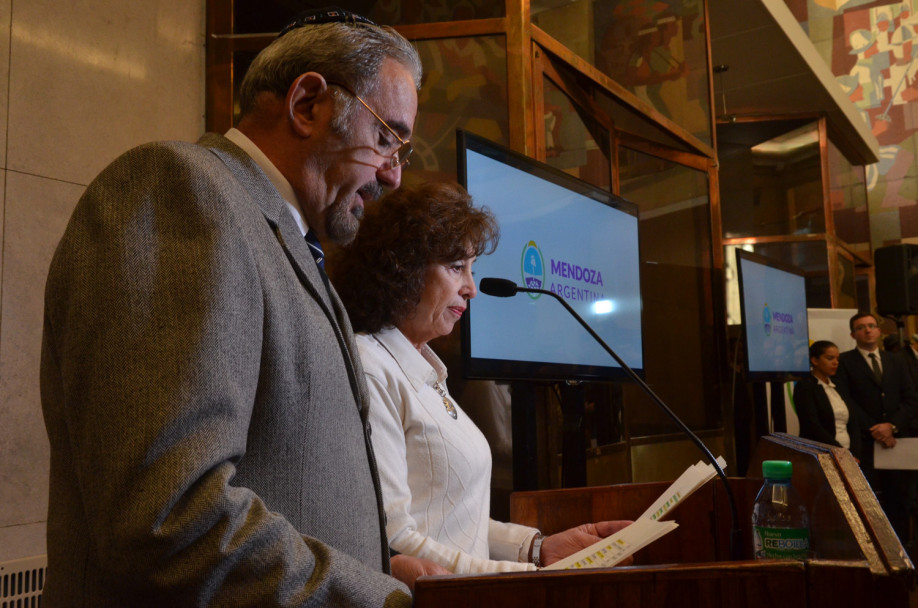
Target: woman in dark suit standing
(825, 414)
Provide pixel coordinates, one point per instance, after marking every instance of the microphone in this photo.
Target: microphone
(505, 288)
(501, 288)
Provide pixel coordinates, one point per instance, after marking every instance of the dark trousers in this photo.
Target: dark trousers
(894, 489)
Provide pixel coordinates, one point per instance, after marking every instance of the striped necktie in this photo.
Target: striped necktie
(315, 248)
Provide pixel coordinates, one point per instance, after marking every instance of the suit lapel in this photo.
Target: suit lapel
(275, 211)
(274, 208)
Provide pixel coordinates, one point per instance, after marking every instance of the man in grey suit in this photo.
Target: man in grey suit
(200, 387)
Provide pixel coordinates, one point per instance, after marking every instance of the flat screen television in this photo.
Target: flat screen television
(773, 308)
(564, 235)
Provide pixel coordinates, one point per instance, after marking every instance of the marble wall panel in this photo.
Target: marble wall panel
(37, 211)
(89, 80)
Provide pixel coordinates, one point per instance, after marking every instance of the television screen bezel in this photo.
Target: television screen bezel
(765, 376)
(498, 369)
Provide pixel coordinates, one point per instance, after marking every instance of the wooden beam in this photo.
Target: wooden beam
(519, 77)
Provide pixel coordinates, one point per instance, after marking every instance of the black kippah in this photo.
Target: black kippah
(328, 14)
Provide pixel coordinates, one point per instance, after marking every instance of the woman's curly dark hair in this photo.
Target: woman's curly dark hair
(380, 276)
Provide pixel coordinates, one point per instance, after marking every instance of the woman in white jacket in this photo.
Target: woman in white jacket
(406, 279)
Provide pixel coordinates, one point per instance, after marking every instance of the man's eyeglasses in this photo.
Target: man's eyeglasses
(400, 156)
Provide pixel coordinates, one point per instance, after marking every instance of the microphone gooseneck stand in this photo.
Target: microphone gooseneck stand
(504, 288)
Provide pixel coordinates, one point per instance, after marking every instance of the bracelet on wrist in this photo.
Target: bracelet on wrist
(536, 553)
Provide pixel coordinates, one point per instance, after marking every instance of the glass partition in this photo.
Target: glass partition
(465, 87)
(771, 187)
(675, 245)
(656, 50)
(810, 256)
(569, 145)
(848, 195)
(846, 295)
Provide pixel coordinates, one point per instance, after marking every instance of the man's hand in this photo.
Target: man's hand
(558, 546)
(407, 569)
(883, 433)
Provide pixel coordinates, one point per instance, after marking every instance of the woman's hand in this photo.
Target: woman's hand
(407, 569)
(558, 546)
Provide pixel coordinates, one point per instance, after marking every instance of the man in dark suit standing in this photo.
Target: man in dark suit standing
(885, 400)
(204, 403)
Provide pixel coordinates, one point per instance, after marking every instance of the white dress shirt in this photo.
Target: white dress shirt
(841, 413)
(866, 354)
(277, 178)
(435, 470)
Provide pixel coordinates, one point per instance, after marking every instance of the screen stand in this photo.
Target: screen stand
(760, 409)
(778, 416)
(573, 446)
(525, 436)
(768, 403)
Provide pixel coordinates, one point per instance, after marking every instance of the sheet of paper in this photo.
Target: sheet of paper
(645, 529)
(693, 478)
(903, 456)
(610, 551)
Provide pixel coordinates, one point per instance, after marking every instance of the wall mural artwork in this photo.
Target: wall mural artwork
(465, 87)
(656, 49)
(874, 46)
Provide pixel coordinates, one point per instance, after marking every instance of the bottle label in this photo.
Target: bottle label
(781, 543)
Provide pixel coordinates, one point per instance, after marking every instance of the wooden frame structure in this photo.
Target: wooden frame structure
(533, 57)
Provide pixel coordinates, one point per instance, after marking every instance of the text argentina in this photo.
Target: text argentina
(577, 273)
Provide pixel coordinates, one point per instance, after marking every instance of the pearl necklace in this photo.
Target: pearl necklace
(450, 408)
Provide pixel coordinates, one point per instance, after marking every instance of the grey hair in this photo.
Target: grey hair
(343, 53)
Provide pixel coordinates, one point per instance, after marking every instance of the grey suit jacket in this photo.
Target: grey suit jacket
(203, 400)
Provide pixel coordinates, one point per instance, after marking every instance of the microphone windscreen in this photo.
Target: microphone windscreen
(501, 288)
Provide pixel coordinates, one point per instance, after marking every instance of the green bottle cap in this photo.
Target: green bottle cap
(777, 469)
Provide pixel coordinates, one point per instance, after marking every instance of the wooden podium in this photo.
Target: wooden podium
(857, 558)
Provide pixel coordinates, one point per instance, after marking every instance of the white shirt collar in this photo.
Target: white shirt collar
(820, 381)
(277, 178)
(866, 353)
(422, 367)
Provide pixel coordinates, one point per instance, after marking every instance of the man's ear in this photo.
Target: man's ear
(307, 102)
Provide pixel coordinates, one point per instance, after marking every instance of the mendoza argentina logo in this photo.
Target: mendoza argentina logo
(532, 268)
(777, 322)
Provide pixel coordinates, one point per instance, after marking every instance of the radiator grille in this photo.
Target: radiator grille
(21, 582)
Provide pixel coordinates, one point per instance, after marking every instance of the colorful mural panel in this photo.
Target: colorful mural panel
(874, 46)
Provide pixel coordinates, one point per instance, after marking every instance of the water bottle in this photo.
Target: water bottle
(780, 526)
